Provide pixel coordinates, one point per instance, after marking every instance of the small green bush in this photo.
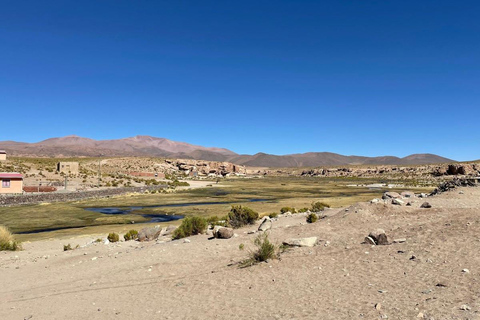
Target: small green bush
(265, 251)
(113, 237)
(273, 215)
(319, 206)
(288, 209)
(240, 216)
(131, 235)
(190, 226)
(241, 246)
(302, 210)
(99, 240)
(67, 247)
(312, 217)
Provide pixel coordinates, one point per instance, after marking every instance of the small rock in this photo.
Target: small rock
(465, 307)
(426, 205)
(466, 271)
(420, 315)
(379, 237)
(94, 258)
(400, 240)
(397, 202)
(186, 241)
(266, 224)
(378, 306)
(391, 195)
(301, 242)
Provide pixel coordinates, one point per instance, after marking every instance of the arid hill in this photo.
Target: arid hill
(74, 146)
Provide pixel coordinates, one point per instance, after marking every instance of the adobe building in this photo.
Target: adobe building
(68, 167)
(11, 183)
(3, 155)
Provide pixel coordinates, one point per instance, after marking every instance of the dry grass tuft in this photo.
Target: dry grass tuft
(7, 241)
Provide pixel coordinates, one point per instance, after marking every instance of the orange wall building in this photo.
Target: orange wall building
(11, 183)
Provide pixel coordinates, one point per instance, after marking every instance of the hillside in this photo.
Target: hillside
(75, 146)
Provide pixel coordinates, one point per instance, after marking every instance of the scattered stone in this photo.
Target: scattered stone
(408, 194)
(186, 241)
(413, 257)
(465, 307)
(397, 202)
(466, 271)
(301, 242)
(420, 315)
(441, 285)
(461, 192)
(400, 240)
(106, 241)
(222, 232)
(379, 237)
(375, 201)
(378, 306)
(426, 205)
(391, 195)
(266, 224)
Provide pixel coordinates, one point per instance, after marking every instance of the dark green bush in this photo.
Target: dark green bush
(190, 226)
(240, 216)
(131, 235)
(312, 217)
(319, 206)
(67, 247)
(288, 209)
(302, 210)
(113, 237)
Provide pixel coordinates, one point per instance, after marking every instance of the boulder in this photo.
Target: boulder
(222, 232)
(426, 205)
(301, 242)
(266, 224)
(379, 237)
(149, 234)
(391, 195)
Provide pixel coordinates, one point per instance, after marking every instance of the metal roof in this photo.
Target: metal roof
(3, 151)
(10, 175)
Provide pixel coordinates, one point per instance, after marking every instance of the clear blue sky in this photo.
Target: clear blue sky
(353, 77)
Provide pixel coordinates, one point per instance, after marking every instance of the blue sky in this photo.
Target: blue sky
(353, 77)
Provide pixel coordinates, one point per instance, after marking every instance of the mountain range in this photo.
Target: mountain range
(75, 146)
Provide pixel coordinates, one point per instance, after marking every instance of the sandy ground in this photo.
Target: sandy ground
(340, 278)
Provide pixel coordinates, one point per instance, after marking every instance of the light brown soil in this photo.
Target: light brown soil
(341, 278)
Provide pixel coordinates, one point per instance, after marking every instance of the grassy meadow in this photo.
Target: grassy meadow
(268, 195)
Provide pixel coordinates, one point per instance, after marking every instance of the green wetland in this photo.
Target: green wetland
(265, 195)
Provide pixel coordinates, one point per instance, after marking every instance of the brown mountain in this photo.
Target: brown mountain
(74, 146)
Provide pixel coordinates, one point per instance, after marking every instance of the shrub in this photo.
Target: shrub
(273, 215)
(240, 216)
(241, 246)
(302, 210)
(113, 237)
(312, 217)
(99, 240)
(287, 209)
(7, 241)
(190, 226)
(131, 235)
(265, 251)
(67, 247)
(319, 206)
(216, 221)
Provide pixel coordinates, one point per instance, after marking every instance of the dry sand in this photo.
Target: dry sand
(341, 278)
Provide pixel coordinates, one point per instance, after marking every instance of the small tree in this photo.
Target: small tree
(190, 226)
